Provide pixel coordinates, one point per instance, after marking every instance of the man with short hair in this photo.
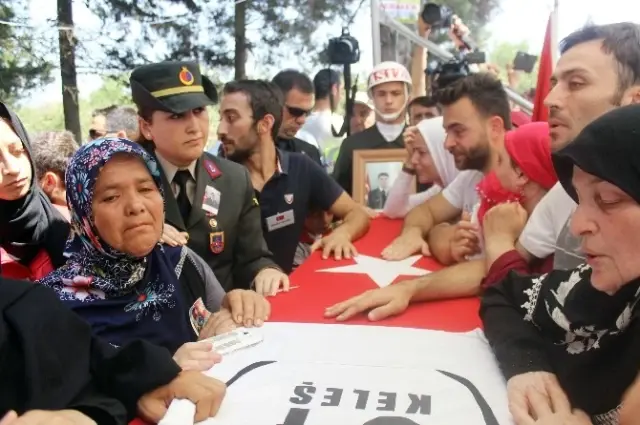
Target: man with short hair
(122, 121)
(297, 89)
(287, 185)
(422, 108)
(52, 151)
(98, 127)
(476, 116)
(378, 196)
(362, 116)
(317, 128)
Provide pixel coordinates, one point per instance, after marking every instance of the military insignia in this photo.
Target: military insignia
(216, 242)
(288, 198)
(212, 170)
(213, 223)
(255, 201)
(186, 77)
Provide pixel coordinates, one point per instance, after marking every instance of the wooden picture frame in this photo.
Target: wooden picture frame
(376, 158)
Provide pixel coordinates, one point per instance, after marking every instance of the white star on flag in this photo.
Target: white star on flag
(381, 271)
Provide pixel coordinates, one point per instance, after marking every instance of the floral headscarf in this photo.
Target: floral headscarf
(96, 274)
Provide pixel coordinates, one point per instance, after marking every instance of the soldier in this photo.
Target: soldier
(209, 199)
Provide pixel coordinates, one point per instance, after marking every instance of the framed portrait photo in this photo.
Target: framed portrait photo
(374, 172)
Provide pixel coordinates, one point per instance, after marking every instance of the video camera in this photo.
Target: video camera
(443, 74)
(343, 50)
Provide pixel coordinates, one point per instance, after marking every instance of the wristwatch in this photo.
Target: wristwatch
(408, 170)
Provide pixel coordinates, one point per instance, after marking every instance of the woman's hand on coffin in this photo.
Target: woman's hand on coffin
(536, 392)
(196, 356)
(541, 412)
(218, 323)
(382, 303)
(47, 417)
(172, 237)
(205, 392)
(269, 280)
(248, 308)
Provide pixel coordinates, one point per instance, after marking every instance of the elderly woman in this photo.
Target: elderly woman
(570, 339)
(121, 280)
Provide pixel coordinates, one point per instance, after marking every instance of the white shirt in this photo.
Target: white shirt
(318, 125)
(462, 193)
(170, 171)
(545, 225)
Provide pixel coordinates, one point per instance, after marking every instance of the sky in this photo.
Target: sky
(516, 21)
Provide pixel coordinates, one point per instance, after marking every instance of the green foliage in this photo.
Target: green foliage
(22, 65)
(204, 30)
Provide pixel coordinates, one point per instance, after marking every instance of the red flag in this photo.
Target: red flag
(545, 70)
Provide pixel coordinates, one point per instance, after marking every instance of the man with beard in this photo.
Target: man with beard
(388, 85)
(297, 89)
(476, 116)
(598, 70)
(208, 199)
(287, 185)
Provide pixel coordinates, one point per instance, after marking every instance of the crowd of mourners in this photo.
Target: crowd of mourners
(123, 255)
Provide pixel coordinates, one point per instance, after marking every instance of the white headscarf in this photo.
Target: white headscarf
(434, 134)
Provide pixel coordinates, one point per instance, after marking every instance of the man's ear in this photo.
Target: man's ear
(634, 93)
(266, 124)
(49, 182)
(121, 134)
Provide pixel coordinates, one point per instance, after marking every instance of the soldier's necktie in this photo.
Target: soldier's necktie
(181, 178)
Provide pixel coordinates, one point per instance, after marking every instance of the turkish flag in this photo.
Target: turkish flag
(545, 69)
(319, 289)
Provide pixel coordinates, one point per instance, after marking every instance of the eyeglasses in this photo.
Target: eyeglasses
(298, 112)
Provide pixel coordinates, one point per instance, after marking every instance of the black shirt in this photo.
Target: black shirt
(298, 187)
(299, 146)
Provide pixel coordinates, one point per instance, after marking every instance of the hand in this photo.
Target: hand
(371, 212)
(196, 356)
(172, 237)
(218, 323)
(457, 31)
(408, 243)
(47, 417)
(521, 387)
(465, 241)
(247, 308)
(383, 303)
(337, 242)
(268, 281)
(547, 415)
(206, 393)
(504, 221)
(630, 413)
(411, 137)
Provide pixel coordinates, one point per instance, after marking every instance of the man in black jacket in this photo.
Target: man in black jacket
(297, 90)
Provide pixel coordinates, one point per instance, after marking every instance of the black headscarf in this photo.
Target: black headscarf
(608, 148)
(31, 224)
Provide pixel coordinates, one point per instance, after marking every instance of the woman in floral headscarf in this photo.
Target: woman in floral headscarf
(571, 338)
(120, 279)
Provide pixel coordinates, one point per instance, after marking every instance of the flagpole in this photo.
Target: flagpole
(375, 32)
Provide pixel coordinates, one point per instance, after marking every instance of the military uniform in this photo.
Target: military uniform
(224, 223)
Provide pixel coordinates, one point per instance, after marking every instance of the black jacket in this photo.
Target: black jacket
(299, 146)
(50, 360)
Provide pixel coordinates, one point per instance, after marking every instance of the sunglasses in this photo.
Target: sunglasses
(298, 112)
(95, 134)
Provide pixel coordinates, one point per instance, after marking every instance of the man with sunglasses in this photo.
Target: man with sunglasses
(297, 89)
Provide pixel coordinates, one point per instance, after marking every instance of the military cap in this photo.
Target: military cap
(171, 86)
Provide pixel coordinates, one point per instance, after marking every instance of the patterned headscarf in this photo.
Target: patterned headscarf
(101, 283)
